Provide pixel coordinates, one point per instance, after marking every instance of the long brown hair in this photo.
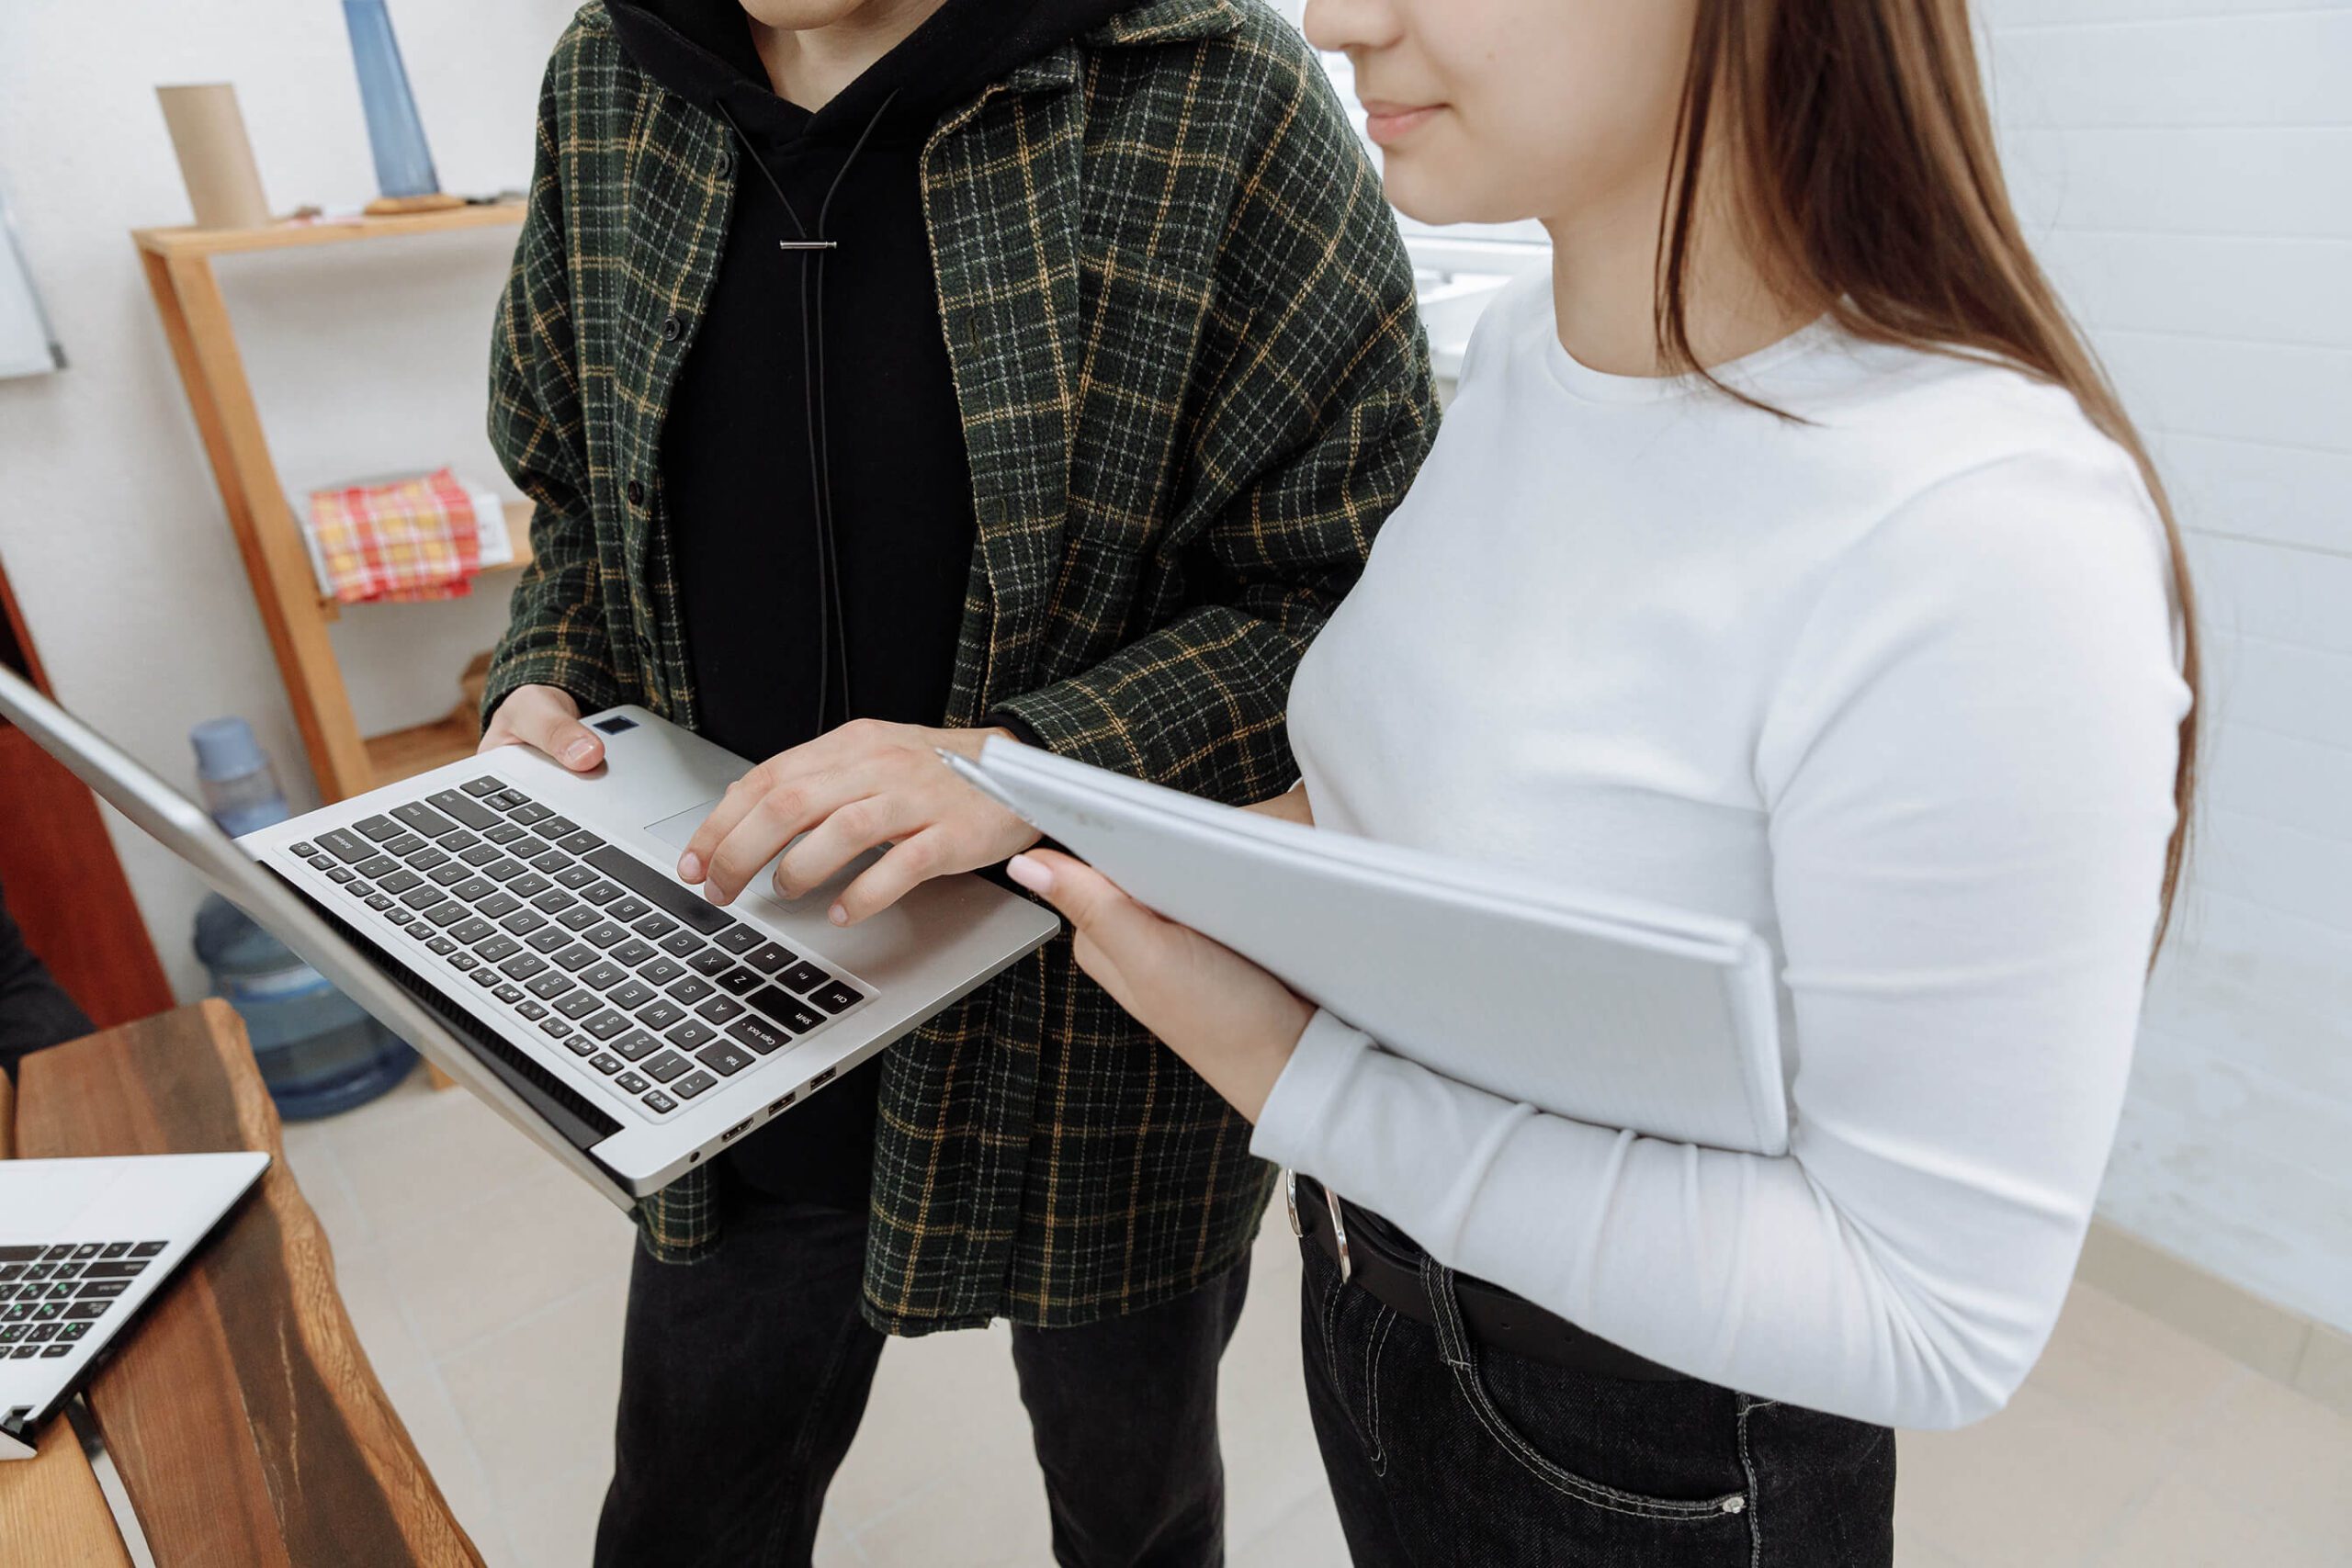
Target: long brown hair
(1867, 179)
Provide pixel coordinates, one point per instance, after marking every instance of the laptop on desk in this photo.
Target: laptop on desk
(520, 926)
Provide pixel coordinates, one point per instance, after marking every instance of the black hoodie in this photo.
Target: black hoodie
(757, 593)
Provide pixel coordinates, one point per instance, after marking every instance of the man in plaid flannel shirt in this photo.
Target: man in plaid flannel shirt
(1125, 373)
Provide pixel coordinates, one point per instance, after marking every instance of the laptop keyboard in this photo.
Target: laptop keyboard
(52, 1294)
(661, 993)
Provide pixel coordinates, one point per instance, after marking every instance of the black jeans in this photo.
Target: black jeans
(1442, 1453)
(744, 1377)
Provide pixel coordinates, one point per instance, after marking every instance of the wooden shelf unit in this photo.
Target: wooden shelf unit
(178, 265)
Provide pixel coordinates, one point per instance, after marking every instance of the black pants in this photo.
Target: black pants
(744, 1377)
(1442, 1453)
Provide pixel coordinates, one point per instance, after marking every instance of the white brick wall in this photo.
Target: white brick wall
(2186, 168)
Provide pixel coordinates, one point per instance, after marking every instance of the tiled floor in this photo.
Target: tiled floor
(486, 1286)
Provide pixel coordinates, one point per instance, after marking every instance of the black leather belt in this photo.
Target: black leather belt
(1368, 1252)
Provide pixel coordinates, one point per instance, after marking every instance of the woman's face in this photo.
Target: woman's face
(1489, 111)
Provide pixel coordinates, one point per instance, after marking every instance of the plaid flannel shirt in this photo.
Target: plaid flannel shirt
(1194, 383)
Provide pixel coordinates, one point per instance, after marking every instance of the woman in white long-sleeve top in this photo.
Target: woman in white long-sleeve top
(1785, 557)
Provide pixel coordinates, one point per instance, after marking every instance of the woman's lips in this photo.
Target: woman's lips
(1386, 122)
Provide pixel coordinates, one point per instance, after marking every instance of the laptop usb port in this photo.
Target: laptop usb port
(821, 1079)
(790, 1095)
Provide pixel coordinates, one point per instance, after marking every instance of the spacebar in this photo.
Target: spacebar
(656, 889)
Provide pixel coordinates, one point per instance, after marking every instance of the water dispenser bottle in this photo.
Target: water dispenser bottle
(404, 163)
(319, 1052)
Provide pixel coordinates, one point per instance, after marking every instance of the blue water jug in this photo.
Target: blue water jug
(319, 1052)
(404, 163)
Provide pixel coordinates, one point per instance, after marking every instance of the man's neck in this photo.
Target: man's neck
(809, 65)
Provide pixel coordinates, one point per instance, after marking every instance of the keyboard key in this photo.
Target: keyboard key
(576, 957)
(605, 933)
(555, 1028)
(450, 871)
(633, 1083)
(579, 842)
(692, 989)
(508, 992)
(690, 1034)
(661, 1015)
(532, 1010)
(710, 961)
(118, 1269)
(147, 1249)
(630, 996)
(549, 940)
(464, 808)
(757, 1033)
(420, 930)
(343, 874)
(719, 1009)
(660, 1104)
(581, 1045)
(320, 862)
(378, 903)
(785, 1008)
(442, 945)
(654, 928)
(503, 834)
(660, 972)
(498, 906)
(604, 974)
(449, 912)
(737, 939)
(553, 901)
(101, 1289)
(665, 1067)
(578, 1005)
(549, 985)
(359, 890)
(605, 1062)
(399, 880)
(422, 898)
(802, 976)
(576, 876)
(557, 827)
(530, 811)
(725, 1058)
(398, 917)
(406, 844)
(306, 851)
(467, 963)
(345, 846)
(481, 855)
(579, 917)
(633, 953)
(498, 949)
(836, 996)
(474, 889)
(693, 1084)
(629, 908)
(738, 980)
(768, 958)
(508, 799)
(683, 944)
(457, 842)
(377, 866)
(419, 817)
(633, 1045)
(532, 885)
(478, 787)
(473, 930)
(506, 868)
(607, 1024)
(600, 893)
(523, 922)
(551, 861)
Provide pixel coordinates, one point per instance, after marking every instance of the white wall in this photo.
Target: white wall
(366, 358)
(2186, 167)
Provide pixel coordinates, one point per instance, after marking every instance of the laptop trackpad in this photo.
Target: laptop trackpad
(679, 830)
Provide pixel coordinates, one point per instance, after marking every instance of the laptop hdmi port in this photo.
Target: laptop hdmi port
(735, 1130)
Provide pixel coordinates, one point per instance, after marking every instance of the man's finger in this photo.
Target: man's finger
(848, 831)
(909, 862)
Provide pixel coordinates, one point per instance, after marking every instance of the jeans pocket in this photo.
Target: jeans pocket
(1462, 1358)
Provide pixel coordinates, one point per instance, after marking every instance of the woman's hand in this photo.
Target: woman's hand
(862, 784)
(1234, 1022)
(548, 718)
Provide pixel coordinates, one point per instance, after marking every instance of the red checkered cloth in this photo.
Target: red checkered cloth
(414, 539)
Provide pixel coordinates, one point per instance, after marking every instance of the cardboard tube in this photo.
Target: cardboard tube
(216, 157)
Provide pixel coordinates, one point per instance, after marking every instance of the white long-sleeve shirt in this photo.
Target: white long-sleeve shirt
(1896, 686)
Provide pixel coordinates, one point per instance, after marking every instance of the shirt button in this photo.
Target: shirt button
(673, 329)
(726, 162)
(636, 492)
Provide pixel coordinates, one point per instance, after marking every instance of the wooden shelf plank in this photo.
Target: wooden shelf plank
(403, 753)
(192, 242)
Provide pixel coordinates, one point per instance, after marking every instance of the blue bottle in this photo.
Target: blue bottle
(319, 1052)
(404, 163)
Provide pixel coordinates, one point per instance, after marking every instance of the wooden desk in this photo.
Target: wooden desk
(240, 1410)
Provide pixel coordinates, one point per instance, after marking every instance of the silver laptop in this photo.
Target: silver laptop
(84, 1245)
(522, 926)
